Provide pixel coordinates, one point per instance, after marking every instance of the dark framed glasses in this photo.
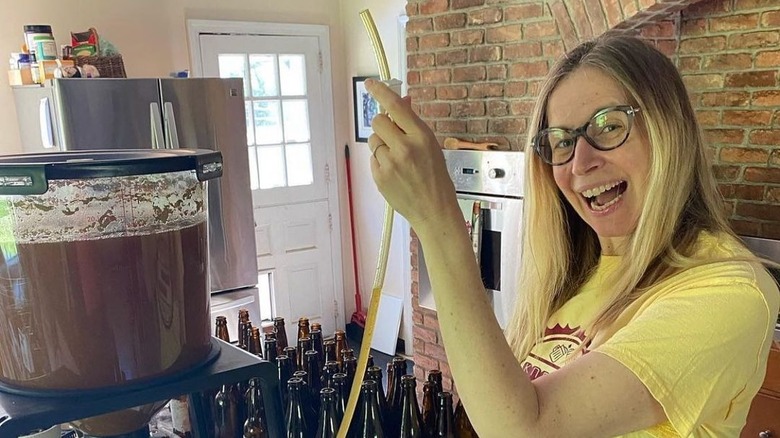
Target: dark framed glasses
(606, 130)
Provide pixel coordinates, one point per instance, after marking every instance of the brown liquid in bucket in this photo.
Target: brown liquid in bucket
(96, 313)
(104, 282)
(104, 312)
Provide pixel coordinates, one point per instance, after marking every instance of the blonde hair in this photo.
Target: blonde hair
(560, 251)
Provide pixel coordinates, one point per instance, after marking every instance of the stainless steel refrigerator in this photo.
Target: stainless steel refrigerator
(78, 114)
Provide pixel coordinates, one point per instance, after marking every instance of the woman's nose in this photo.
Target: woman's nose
(586, 157)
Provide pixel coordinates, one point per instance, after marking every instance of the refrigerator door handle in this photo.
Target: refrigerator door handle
(156, 122)
(171, 133)
(47, 136)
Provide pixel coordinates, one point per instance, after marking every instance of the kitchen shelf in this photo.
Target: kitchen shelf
(19, 413)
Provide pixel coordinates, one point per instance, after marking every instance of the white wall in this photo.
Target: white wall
(368, 203)
(151, 35)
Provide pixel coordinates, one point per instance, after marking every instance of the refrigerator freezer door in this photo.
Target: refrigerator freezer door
(209, 114)
(38, 125)
(105, 113)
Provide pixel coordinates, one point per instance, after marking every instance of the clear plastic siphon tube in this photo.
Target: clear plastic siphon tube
(384, 248)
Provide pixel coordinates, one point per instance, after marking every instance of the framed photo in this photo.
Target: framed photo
(365, 108)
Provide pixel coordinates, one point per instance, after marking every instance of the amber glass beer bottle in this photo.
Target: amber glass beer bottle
(281, 334)
(330, 368)
(254, 342)
(445, 427)
(310, 410)
(435, 377)
(296, 423)
(411, 420)
(243, 320)
(349, 367)
(269, 349)
(368, 423)
(226, 416)
(329, 347)
(303, 328)
(394, 393)
(221, 331)
(284, 370)
(341, 344)
(315, 334)
(463, 427)
(292, 353)
(256, 425)
(304, 345)
(428, 408)
(340, 385)
(375, 373)
(327, 423)
(312, 364)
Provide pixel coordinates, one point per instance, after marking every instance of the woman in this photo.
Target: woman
(639, 312)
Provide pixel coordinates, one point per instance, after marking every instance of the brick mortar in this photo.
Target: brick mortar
(733, 175)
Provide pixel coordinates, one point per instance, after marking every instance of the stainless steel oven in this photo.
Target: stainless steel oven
(489, 186)
(770, 250)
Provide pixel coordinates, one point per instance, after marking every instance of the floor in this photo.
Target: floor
(354, 337)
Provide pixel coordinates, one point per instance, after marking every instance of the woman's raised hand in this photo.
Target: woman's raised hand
(407, 163)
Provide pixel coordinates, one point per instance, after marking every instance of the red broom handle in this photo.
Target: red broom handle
(358, 297)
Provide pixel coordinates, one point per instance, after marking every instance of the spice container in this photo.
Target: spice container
(40, 41)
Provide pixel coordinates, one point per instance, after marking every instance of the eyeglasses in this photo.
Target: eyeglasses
(606, 130)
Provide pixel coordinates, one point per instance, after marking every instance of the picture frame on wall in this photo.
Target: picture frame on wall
(365, 108)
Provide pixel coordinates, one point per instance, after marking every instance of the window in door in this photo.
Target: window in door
(277, 117)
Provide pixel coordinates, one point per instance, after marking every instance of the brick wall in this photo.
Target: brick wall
(475, 67)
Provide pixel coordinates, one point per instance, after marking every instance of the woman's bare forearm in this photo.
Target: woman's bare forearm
(496, 391)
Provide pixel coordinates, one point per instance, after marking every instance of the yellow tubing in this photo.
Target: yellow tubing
(384, 249)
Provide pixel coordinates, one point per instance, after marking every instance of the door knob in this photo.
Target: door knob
(765, 434)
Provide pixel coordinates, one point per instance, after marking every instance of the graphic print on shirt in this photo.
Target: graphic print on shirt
(556, 348)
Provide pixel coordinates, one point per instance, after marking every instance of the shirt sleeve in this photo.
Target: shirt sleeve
(697, 346)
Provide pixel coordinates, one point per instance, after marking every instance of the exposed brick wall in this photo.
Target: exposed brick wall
(475, 67)
(729, 55)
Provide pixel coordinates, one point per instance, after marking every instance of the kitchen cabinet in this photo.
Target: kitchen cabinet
(764, 418)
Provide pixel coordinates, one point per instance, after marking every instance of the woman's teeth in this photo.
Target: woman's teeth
(592, 193)
(602, 197)
(595, 206)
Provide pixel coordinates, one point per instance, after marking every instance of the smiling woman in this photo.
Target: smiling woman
(634, 292)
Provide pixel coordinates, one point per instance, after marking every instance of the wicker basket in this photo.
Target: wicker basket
(108, 66)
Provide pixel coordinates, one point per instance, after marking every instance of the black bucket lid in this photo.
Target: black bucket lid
(28, 174)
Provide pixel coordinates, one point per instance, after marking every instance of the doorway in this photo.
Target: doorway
(291, 152)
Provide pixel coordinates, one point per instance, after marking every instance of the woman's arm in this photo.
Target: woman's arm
(594, 396)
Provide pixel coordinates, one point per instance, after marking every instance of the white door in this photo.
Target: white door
(289, 162)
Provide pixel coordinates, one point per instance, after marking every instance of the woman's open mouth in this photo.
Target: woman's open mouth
(602, 197)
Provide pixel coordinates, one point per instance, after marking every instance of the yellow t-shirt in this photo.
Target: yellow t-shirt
(699, 340)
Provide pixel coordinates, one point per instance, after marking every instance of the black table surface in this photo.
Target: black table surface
(19, 414)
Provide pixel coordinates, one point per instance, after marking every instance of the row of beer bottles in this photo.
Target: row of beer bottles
(331, 364)
(231, 411)
(231, 405)
(310, 337)
(377, 416)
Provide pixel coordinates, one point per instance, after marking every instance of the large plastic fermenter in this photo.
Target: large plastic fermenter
(104, 272)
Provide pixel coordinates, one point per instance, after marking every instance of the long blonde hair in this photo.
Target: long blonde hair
(560, 251)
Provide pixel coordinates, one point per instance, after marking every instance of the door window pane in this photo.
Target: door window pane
(292, 74)
(253, 181)
(262, 69)
(250, 124)
(296, 120)
(270, 166)
(299, 171)
(265, 285)
(268, 126)
(234, 66)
